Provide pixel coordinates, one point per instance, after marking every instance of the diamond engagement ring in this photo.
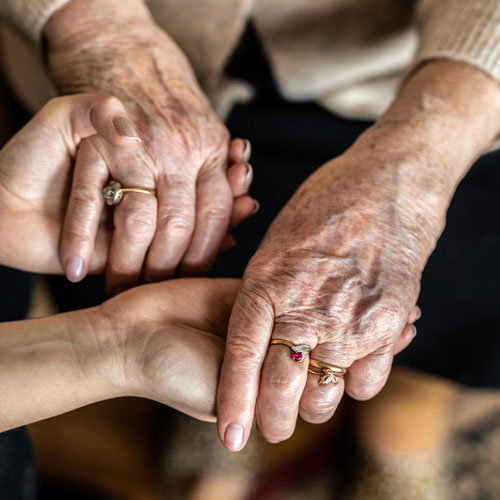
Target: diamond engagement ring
(299, 351)
(113, 192)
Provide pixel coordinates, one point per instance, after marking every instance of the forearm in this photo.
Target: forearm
(450, 109)
(444, 117)
(52, 365)
(114, 46)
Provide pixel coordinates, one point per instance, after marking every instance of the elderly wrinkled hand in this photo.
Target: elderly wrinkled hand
(339, 269)
(184, 150)
(42, 187)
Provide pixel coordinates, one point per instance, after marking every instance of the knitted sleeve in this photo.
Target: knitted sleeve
(463, 30)
(29, 16)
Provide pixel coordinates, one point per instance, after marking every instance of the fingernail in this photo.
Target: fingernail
(247, 150)
(126, 128)
(414, 330)
(419, 313)
(234, 436)
(249, 174)
(74, 269)
(256, 207)
(272, 442)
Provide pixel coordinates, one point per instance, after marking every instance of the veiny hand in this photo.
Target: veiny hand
(113, 46)
(339, 271)
(171, 337)
(36, 172)
(340, 267)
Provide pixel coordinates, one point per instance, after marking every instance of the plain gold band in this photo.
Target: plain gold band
(139, 190)
(337, 370)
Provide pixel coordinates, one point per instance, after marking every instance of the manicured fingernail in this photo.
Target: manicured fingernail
(126, 128)
(234, 436)
(249, 174)
(414, 330)
(256, 207)
(419, 313)
(272, 442)
(74, 269)
(247, 150)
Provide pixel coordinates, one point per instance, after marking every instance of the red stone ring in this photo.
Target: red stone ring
(299, 351)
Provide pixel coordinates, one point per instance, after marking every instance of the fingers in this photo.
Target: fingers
(214, 204)
(415, 315)
(84, 211)
(135, 222)
(240, 178)
(79, 116)
(243, 208)
(404, 340)
(281, 384)
(176, 222)
(249, 332)
(240, 151)
(319, 401)
(367, 376)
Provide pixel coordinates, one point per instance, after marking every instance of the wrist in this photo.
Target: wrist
(447, 110)
(85, 20)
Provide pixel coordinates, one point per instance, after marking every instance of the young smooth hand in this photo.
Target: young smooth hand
(162, 341)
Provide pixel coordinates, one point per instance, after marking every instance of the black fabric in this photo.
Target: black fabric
(17, 469)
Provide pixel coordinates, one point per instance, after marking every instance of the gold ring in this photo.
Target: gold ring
(329, 374)
(113, 192)
(298, 350)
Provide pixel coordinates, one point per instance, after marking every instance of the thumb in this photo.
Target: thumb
(79, 116)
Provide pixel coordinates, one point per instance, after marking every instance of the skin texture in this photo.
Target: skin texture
(184, 146)
(41, 190)
(339, 269)
(148, 342)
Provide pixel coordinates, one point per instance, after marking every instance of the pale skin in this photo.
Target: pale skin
(41, 185)
(184, 145)
(339, 269)
(148, 342)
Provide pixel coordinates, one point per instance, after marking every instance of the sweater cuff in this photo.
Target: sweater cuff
(30, 16)
(461, 30)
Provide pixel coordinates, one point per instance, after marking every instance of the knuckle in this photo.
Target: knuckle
(139, 224)
(83, 195)
(216, 214)
(76, 241)
(109, 102)
(178, 226)
(285, 385)
(244, 350)
(317, 408)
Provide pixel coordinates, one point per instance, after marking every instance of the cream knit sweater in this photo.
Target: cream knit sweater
(349, 55)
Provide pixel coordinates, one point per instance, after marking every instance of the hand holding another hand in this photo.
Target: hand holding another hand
(44, 197)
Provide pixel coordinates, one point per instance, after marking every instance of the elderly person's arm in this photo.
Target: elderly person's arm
(339, 269)
(113, 46)
(148, 342)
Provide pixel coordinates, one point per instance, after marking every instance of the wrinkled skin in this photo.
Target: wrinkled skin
(184, 145)
(339, 269)
(39, 189)
(344, 281)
